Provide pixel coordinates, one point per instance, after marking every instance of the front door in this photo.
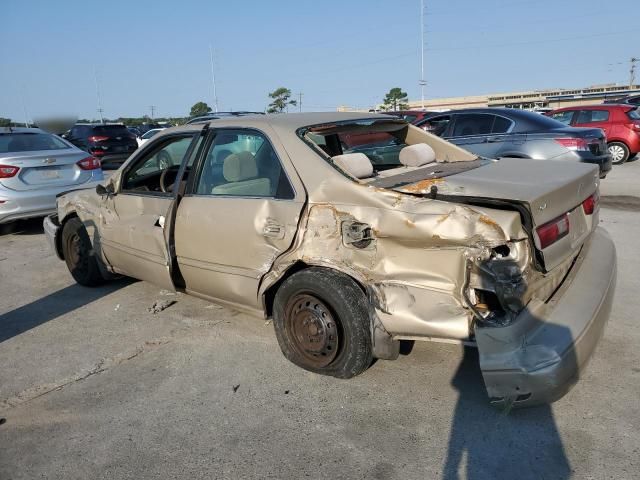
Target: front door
(133, 222)
(239, 214)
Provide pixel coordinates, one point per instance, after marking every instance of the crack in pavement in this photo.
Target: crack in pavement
(102, 366)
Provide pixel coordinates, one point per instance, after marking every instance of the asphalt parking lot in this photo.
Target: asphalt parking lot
(92, 385)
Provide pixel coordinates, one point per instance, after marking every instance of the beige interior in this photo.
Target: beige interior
(355, 164)
(240, 170)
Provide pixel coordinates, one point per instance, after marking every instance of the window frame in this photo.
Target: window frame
(572, 120)
(149, 149)
(199, 163)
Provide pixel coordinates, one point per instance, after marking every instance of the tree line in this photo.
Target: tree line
(395, 99)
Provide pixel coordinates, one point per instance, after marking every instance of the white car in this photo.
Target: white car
(147, 135)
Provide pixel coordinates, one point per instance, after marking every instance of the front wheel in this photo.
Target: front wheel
(321, 319)
(619, 152)
(78, 254)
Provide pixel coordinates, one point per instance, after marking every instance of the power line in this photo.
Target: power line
(153, 110)
(300, 101)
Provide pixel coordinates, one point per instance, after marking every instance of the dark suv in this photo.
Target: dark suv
(111, 143)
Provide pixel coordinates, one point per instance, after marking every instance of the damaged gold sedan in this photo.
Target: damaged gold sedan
(356, 231)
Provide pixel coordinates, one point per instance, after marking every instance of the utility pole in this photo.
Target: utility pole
(422, 80)
(99, 109)
(213, 81)
(153, 110)
(632, 70)
(300, 101)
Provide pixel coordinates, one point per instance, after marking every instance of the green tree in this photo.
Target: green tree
(5, 122)
(199, 108)
(396, 99)
(281, 100)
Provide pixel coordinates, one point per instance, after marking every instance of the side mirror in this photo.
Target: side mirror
(102, 190)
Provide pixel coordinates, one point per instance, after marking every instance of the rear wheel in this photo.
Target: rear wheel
(321, 318)
(78, 254)
(619, 152)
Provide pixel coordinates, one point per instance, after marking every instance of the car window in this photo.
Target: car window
(470, 124)
(563, 117)
(111, 130)
(149, 134)
(634, 114)
(501, 125)
(242, 163)
(30, 142)
(437, 125)
(168, 154)
(591, 116)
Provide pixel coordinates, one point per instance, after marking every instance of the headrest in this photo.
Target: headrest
(240, 166)
(356, 164)
(417, 155)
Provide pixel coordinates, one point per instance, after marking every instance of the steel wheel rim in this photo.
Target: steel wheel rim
(74, 251)
(312, 329)
(616, 152)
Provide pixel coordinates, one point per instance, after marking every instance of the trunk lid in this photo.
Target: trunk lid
(45, 169)
(548, 190)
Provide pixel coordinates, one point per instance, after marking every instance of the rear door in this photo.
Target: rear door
(471, 131)
(240, 212)
(593, 118)
(134, 223)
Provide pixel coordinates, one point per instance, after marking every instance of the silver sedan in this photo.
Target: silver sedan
(35, 166)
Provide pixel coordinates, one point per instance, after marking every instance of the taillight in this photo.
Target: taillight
(551, 232)
(97, 138)
(89, 163)
(590, 204)
(578, 144)
(98, 153)
(634, 126)
(8, 171)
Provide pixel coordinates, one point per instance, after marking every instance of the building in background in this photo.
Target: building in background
(530, 100)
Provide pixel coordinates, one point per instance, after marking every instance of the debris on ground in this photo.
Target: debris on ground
(235, 388)
(213, 306)
(268, 322)
(167, 292)
(3, 420)
(160, 305)
(117, 308)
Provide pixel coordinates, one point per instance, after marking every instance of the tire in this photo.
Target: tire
(78, 254)
(621, 154)
(322, 323)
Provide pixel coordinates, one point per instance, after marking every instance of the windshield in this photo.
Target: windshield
(30, 142)
(634, 114)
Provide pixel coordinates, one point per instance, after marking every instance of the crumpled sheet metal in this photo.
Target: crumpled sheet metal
(414, 266)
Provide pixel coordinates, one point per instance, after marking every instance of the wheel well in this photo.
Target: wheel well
(615, 140)
(270, 294)
(59, 237)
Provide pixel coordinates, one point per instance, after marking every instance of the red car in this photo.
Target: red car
(621, 124)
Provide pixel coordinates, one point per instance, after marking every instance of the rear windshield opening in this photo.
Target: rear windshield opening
(380, 141)
(30, 142)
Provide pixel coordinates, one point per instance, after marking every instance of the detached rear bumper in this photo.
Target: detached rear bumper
(541, 355)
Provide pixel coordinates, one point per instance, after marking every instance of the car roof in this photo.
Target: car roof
(21, 130)
(291, 121)
(602, 106)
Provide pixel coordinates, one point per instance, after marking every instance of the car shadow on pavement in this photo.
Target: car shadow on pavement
(489, 443)
(53, 306)
(31, 226)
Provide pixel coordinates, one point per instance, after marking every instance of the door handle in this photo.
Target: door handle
(273, 229)
(493, 139)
